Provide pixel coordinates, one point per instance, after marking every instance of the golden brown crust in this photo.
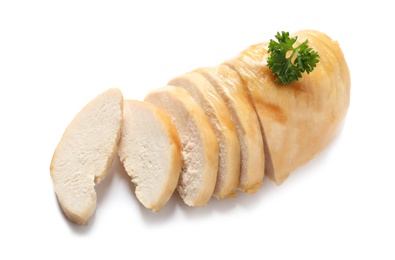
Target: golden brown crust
(195, 187)
(220, 118)
(229, 85)
(302, 118)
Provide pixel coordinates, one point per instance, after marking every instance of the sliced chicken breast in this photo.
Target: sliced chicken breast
(199, 143)
(85, 154)
(150, 151)
(220, 118)
(302, 118)
(230, 86)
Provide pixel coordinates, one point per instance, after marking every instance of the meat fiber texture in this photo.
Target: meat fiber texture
(85, 153)
(233, 125)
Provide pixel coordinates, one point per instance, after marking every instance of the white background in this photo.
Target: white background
(55, 56)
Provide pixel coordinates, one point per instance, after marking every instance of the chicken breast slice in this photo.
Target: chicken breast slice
(150, 150)
(198, 140)
(230, 87)
(85, 154)
(220, 118)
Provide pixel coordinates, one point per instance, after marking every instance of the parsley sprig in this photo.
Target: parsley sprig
(288, 62)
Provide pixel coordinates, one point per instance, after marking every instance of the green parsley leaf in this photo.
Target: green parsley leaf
(288, 62)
